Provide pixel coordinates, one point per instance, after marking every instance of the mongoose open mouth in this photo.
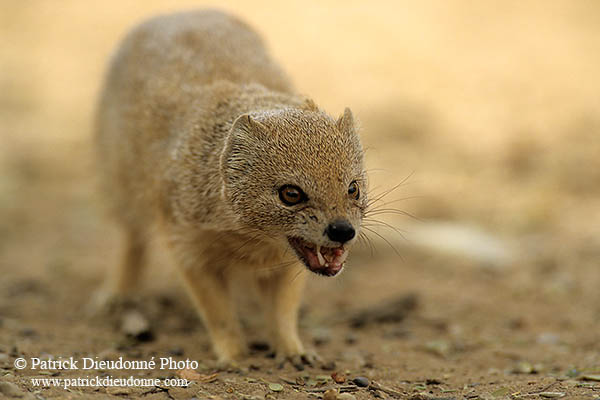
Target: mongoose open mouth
(321, 260)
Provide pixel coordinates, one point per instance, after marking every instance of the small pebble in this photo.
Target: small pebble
(135, 325)
(276, 387)
(177, 351)
(321, 336)
(361, 381)
(10, 389)
(420, 396)
(501, 392)
(396, 332)
(330, 394)
(338, 377)
(28, 332)
(551, 395)
(328, 366)
(109, 354)
(353, 357)
(572, 373)
(523, 367)
(118, 391)
(548, 338)
(590, 377)
(438, 347)
(3, 358)
(350, 338)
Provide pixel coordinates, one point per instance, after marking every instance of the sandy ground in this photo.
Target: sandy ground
(491, 110)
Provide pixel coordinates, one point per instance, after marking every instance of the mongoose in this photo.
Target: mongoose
(202, 139)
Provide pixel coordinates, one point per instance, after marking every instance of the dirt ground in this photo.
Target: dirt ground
(488, 113)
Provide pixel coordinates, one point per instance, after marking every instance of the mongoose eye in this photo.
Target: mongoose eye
(353, 190)
(291, 195)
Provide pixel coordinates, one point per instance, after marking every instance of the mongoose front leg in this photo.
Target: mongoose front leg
(118, 288)
(210, 290)
(129, 272)
(281, 291)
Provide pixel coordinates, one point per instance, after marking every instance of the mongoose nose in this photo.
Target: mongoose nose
(340, 231)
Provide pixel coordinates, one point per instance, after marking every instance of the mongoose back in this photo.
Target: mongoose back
(203, 140)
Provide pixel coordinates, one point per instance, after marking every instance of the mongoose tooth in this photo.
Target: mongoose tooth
(343, 257)
(320, 256)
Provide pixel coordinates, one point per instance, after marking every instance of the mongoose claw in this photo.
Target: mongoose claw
(105, 303)
(299, 361)
(311, 358)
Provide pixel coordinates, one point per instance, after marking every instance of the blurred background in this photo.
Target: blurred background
(487, 113)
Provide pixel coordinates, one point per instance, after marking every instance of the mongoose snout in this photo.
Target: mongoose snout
(340, 231)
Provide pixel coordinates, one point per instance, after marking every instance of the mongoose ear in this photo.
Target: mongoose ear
(310, 105)
(243, 132)
(245, 123)
(345, 123)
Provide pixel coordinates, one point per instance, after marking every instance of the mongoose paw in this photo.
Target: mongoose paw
(227, 365)
(299, 361)
(107, 303)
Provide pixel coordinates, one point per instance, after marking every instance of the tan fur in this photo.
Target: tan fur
(197, 128)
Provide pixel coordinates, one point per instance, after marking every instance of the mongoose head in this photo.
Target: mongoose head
(297, 176)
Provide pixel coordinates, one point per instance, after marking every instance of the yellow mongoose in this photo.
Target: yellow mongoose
(200, 134)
